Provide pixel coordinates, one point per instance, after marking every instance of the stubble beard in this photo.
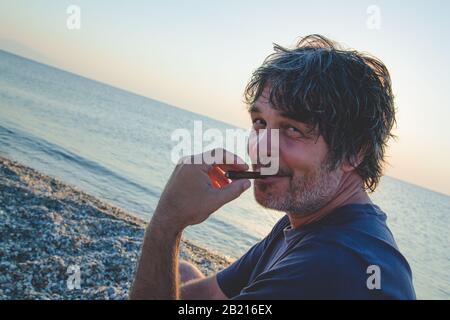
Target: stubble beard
(304, 194)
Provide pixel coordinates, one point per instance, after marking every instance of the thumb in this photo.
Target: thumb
(233, 190)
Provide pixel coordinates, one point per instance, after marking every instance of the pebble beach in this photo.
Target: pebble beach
(48, 229)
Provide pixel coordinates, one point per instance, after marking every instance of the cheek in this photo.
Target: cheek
(252, 148)
(300, 157)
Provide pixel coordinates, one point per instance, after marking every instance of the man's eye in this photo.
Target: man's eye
(259, 123)
(294, 132)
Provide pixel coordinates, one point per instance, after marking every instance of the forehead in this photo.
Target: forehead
(297, 113)
(264, 97)
(262, 104)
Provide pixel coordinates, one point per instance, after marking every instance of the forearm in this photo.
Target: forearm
(157, 272)
(194, 191)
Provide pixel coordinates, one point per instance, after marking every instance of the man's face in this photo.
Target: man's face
(309, 184)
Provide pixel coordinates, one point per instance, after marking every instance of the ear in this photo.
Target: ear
(352, 163)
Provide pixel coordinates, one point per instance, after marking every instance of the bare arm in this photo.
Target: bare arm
(157, 274)
(193, 192)
(202, 289)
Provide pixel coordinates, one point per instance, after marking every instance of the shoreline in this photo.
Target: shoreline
(47, 227)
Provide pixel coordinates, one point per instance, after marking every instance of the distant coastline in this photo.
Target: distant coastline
(46, 226)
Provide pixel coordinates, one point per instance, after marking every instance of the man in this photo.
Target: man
(334, 111)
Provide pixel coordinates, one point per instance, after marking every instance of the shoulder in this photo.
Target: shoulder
(355, 227)
(324, 270)
(339, 256)
(354, 239)
(313, 271)
(333, 259)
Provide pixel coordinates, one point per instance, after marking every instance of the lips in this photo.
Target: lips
(280, 174)
(271, 179)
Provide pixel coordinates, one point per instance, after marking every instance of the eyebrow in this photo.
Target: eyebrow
(254, 108)
(309, 130)
(291, 116)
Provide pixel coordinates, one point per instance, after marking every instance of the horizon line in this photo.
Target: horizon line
(128, 91)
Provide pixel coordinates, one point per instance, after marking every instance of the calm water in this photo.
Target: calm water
(116, 146)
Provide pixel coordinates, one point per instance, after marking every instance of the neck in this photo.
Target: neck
(350, 191)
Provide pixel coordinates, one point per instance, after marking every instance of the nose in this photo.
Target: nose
(259, 144)
(265, 142)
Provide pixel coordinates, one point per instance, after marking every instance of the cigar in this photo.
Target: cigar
(233, 175)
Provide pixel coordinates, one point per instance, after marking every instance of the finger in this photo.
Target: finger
(197, 160)
(232, 190)
(215, 184)
(215, 179)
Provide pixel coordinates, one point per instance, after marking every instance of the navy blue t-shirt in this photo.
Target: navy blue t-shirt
(330, 259)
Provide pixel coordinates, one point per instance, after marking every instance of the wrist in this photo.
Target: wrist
(165, 225)
(165, 236)
(169, 216)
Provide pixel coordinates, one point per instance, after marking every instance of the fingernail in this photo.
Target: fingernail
(246, 184)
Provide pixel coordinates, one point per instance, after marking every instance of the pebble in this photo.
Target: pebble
(48, 230)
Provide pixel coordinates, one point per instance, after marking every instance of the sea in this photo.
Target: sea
(116, 145)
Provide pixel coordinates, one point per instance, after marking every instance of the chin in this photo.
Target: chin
(268, 197)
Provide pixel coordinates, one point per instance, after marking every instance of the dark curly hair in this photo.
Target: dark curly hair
(345, 94)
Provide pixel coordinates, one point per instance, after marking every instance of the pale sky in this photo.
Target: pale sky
(198, 55)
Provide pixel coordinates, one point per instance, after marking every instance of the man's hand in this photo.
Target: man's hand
(195, 191)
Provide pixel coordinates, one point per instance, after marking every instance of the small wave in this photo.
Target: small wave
(27, 142)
